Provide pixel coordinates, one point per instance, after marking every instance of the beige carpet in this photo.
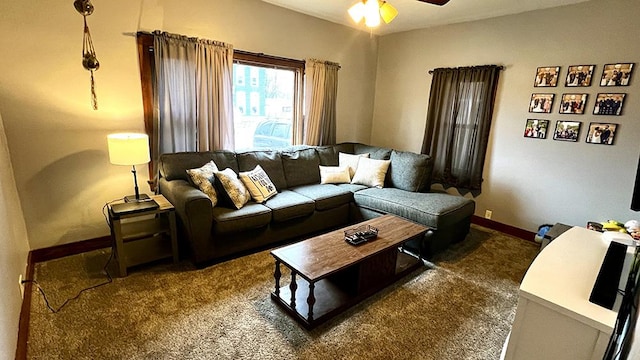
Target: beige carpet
(460, 306)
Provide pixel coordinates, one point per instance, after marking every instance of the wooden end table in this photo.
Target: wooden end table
(335, 275)
(142, 237)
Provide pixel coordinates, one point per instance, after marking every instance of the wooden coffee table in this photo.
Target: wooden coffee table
(334, 275)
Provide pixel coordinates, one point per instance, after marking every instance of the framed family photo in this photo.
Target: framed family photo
(579, 75)
(601, 133)
(536, 128)
(567, 130)
(573, 103)
(616, 74)
(541, 103)
(547, 76)
(608, 104)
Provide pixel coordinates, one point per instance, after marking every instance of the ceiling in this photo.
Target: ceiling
(413, 14)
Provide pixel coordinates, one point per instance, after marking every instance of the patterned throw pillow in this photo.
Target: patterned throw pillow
(259, 184)
(204, 178)
(371, 172)
(350, 161)
(231, 188)
(334, 175)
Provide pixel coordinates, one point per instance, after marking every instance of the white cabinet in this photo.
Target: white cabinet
(554, 318)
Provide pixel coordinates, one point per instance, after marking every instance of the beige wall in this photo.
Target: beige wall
(14, 247)
(58, 148)
(527, 182)
(58, 144)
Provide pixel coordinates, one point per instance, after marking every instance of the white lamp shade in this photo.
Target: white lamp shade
(128, 148)
(372, 13)
(357, 11)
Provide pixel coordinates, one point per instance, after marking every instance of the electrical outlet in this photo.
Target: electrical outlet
(21, 286)
(487, 214)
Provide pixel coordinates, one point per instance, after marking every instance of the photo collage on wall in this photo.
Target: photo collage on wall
(575, 102)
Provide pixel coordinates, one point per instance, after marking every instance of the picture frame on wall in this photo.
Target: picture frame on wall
(601, 133)
(547, 76)
(616, 74)
(573, 103)
(609, 104)
(579, 75)
(567, 130)
(541, 103)
(536, 128)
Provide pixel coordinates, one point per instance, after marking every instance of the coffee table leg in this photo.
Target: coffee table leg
(311, 300)
(277, 274)
(293, 286)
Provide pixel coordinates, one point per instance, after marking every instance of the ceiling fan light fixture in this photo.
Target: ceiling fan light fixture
(372, 13)
(357, 11)
(388, 12)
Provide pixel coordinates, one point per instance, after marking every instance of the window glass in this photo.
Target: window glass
(267, 100)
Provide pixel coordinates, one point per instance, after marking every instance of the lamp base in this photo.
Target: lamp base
(132, 198)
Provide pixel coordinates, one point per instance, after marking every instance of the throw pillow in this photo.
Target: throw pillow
(259, 184)
(334, 175)
(231, 188)
(350, 161)
(371, 172)
(204, 177)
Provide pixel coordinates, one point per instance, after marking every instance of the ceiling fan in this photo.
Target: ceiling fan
(372, 10)
(435, 2)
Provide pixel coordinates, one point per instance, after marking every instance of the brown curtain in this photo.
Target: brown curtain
(321, 92)
(458, 124)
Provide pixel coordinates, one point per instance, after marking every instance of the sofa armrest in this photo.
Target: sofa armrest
(194, 210)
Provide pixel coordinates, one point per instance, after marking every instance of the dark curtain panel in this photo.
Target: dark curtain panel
(458, 124)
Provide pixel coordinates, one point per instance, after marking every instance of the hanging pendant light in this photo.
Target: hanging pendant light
(89, 59)
(372, 11)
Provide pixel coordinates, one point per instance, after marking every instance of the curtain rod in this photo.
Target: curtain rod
(264, 56)
(500, 67)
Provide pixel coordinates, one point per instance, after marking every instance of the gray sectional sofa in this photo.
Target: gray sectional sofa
(304, 206)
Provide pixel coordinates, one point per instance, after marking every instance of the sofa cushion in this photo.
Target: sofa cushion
(431, 209)
(301, 167)
(250, 216)
(258, 183)
(232, 191)
(288, 205)
(352, 187)
(351, 161)
(410, 171)
(204, 177)
(334, 175)
(325, 196)
(374, 152)
(175, 165)
(327, 155)
(371, 172)
(270, 161)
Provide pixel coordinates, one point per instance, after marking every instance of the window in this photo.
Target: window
(277, 82)
(458, 124)
(238, 73)
(255, 71)
(240, 102)
(267, 107)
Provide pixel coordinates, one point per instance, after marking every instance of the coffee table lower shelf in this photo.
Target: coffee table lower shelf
(334, 294)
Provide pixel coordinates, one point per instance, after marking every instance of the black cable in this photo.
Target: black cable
(104, 268)
(46, 300)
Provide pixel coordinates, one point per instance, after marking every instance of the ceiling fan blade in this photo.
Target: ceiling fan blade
(435, 2)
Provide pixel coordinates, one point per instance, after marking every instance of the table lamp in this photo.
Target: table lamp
(129, 149)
